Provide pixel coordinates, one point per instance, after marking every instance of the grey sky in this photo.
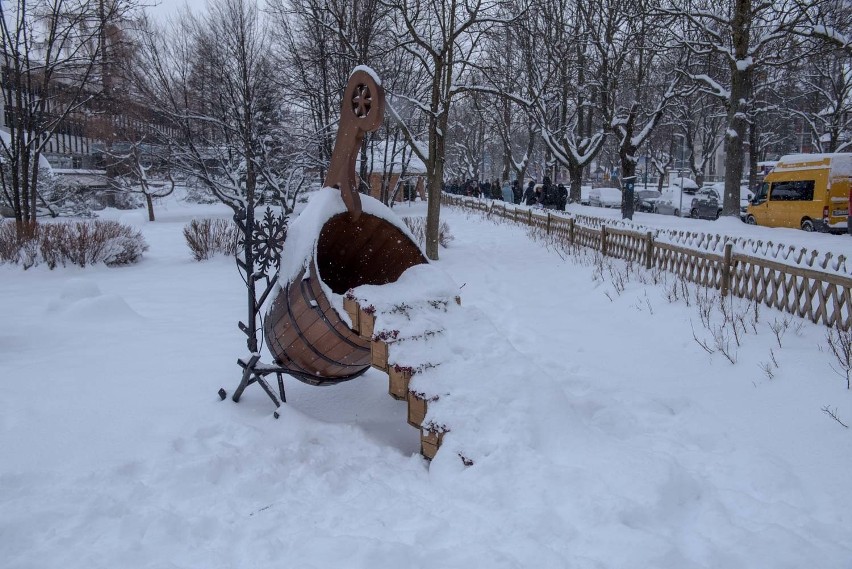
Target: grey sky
(168, 9)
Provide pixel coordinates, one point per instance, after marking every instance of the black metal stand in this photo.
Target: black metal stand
(257, 256)
(256, 372)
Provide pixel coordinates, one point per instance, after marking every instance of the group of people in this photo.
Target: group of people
(547, 194)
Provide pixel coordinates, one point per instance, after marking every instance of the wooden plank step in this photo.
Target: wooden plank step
(417, 407)
(366, 321)
(430, 442)
(398, 380)
(364, 318)
(379, 355)
(381, 344)
(350, 305)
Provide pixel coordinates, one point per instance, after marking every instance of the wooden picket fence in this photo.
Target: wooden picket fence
(792, 280)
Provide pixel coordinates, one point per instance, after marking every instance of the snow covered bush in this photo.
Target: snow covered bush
(80, 243)
(207, 237)
(417, 226)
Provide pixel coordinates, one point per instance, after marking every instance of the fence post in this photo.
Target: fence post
(529, 217)
(548, 223)
(649, 250)
(571, 230)
(726, 269)
(603, 239)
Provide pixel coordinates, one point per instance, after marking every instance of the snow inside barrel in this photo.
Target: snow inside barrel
(337, 243)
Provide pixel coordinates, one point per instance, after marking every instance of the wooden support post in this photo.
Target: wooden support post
(571, 231)
(548, 223)
(603, 239)
(529, 216)
(398, 380)
(350, 305)
(379, 355)
(416, 409)
(726, 269)
(366, 323)
(649, 250)
(430, 442)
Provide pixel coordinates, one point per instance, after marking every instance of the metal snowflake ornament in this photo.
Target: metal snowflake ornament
(269, 236)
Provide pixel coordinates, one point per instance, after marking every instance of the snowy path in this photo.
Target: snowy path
(633, 447)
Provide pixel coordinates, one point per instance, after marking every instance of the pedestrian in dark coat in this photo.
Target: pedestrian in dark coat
(529, 194)
(517, 193)
(547, 194)
(563, 197)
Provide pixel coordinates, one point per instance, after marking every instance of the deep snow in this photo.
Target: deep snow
(629, 446)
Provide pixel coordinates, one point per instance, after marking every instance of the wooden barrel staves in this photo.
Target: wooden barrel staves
(303, 330)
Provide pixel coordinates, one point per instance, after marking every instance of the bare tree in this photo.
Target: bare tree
(568, 87)
(444, 39)
(211, 81)
(47, 63)
(699, 118)
(637, 87)
(743, 35)
(825, 103)
(141, 167)
(504, 71)
(827, 20)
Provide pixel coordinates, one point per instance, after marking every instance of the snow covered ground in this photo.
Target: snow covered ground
(633, 446)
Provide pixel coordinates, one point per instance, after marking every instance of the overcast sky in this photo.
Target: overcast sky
(167, 9)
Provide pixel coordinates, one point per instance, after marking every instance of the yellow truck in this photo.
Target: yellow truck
(807, 191)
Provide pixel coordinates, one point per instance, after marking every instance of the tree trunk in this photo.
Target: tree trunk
(738, 108)
(628, 180)
(576, 173)
(150, 203)
(435, 181)
(34, 188)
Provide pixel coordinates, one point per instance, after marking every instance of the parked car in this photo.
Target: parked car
(670, 202)
(746, 196)
(644, 200)
(688, 184)
(807, 191)
(704, 203)
(605, 197)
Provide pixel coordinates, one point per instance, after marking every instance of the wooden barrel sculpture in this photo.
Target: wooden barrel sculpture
(303, 331)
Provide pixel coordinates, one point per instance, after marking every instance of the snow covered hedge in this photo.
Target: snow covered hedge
(80, 243)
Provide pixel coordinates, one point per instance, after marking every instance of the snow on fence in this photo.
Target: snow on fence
(790, 279)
